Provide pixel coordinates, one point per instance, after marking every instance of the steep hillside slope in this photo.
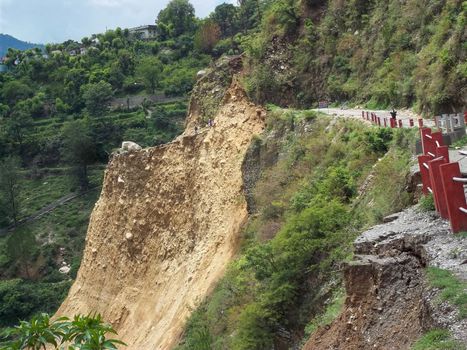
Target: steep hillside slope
(384, 53)
(165, 227)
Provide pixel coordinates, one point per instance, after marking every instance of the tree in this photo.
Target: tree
(149, 71)
(78, 150)
(207, 36)
(225, 15)
(9, 188)
(97, 97)
(15, 90)
(177, 18)
(21, 246)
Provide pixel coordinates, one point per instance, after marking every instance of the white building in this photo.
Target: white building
(144, 32)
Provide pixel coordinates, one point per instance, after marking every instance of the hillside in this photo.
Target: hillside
(7, 41)
(262, 223)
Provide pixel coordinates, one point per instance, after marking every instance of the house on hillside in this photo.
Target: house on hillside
(144, 32)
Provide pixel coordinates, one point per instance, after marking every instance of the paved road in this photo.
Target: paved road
(405, 115)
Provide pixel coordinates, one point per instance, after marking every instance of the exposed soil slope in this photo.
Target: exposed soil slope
(165, 227)
(389, 302)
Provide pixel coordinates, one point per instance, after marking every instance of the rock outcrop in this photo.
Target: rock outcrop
(165, 226)
(389, 303)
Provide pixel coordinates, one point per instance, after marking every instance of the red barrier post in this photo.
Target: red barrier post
(393, 122)
(385, 123)
(411, 122)
(425, 174)
(420, 123)
(400, 123)
(443, 151)
(437, 139)
(363, 114)
(367, 116)
(427, 145)
(455, 196)
(379, 121)
(437, 186)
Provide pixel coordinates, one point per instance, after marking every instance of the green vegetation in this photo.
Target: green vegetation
(308, 215)
(381, 54)
(427, 203)
(80, 333)
(452, 289)
(437, 339)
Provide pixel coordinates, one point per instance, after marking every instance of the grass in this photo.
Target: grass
(452, 289)
(37, 193)
(460, 143)
(437, 339)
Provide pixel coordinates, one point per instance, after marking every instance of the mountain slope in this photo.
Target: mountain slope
(7, 41)
(165, 227)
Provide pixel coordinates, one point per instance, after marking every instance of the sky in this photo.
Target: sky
(54, 21)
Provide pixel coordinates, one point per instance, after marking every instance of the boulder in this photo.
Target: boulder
(130, 146)
(200, 74)
(64, 269)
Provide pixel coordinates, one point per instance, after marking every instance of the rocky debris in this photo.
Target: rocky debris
(65, 268)
(389, 301)
(390, 218)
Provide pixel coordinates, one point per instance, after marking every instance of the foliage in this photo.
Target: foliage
(20, 299)
(437, 339)
(80, 333)
(452, 289)
(96, 97)
(177, 18)
(20, 249)
(78, 149)
(149, 71)
(416, 58)
(9, 191)
(207, 36)
(427, 203)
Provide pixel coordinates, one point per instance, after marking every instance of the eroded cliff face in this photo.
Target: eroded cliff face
(165, 227)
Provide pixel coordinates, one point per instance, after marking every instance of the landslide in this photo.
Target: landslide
(165, 226)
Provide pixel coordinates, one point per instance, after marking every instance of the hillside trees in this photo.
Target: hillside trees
(149, 71)
(21, 246)
(176, 19)
(207, 36)
(9, 190)
(226, 16)
(96, 97)
(78, 150)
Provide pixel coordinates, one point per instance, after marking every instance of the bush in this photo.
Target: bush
(427, 203)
